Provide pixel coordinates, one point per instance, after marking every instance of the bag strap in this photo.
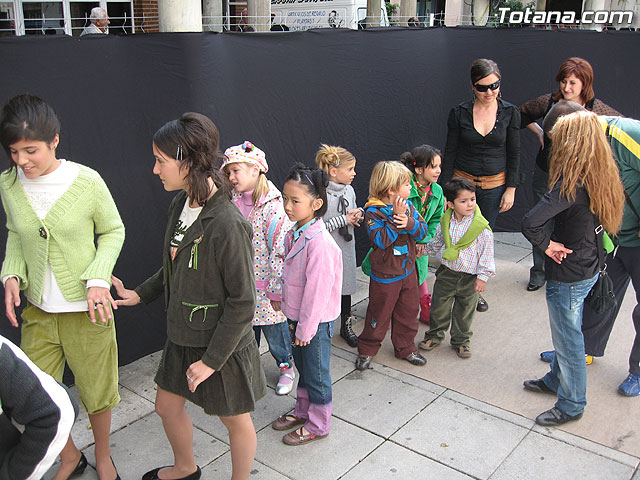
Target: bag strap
(599, 229)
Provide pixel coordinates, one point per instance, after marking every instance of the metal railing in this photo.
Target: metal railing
(127, 25)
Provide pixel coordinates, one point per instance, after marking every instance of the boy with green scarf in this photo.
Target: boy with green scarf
(464, 242)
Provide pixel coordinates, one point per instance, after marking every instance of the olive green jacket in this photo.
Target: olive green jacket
(209, 287)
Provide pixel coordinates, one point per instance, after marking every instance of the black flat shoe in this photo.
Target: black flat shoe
(555, 417)
(537, 386)
(80, 466)
(532, 287)
(153, 474)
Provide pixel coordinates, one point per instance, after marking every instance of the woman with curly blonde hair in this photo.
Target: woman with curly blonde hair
(585, 192)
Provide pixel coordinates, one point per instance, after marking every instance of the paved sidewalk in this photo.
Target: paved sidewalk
(388, 422)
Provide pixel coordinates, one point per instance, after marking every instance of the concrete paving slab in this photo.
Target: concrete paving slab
(138, 376)
(325, 459)
(411, 380)
(489, 409)
(461, 437)
(538, 457)
(362, 290)
(587, 445)
(394, 402)
(221, 468)
(506, 344)
(267, 410)
(143, 446)
(636, 476)
(391, 461)
(131, 408)
(511, 253)
(511, 238)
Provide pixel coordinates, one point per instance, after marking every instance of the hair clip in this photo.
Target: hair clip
(309, 179)
(179, 153)
(247, 146)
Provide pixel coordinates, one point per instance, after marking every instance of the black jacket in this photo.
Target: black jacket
(209, 288)
(574, 227)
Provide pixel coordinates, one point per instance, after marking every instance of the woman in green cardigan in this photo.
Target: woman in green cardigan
(427, 197)
(54, 207)
(211, 357)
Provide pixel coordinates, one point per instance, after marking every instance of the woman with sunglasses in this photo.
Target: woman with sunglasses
(575, 81)
(483, 145)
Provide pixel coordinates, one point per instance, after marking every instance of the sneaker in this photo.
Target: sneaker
(549, 355)
(414, 358)
(537, 386)
(285, 382)
(555, 417)
(631, 386)
(463, 351)
(363, 362)
(482, 305)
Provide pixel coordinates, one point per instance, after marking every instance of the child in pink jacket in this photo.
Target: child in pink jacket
(312, 289)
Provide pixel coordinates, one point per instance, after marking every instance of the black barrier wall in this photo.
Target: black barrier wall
(375, 92)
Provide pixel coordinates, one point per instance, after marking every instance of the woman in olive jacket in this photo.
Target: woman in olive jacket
(211, 356)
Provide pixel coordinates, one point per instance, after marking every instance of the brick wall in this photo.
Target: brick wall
(146, 15)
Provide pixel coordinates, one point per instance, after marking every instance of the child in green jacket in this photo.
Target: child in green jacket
(427, 197)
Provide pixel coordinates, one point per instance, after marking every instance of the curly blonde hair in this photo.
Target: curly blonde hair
(581, 156)
(331, 156)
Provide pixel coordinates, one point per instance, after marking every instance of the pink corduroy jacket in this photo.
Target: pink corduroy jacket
(312, 279)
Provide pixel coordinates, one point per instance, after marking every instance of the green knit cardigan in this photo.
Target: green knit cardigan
(65, 237)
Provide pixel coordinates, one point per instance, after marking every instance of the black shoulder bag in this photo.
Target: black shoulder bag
(601, 297)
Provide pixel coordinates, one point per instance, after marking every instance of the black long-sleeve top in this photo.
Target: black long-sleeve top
(574, 227)
(496, 152)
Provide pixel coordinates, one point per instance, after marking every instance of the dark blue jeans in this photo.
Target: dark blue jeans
(313, 362)
(489, 203)
(279, 341)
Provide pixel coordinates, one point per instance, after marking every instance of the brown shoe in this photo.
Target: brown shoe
(463, 351)
(287, 422)
(298, 438)
(428, 344)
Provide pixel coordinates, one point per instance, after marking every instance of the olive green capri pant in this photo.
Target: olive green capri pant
(90, 349)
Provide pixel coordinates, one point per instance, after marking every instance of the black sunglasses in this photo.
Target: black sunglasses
(484, 88)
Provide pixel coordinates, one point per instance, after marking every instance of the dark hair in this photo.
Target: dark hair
(453, 188)
(583, 71)
(315, 180)
(483, 67)
(27, 117)
(193, 140)
(558, 110)
(421, 157)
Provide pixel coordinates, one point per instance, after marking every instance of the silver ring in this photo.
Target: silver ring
(189, 378)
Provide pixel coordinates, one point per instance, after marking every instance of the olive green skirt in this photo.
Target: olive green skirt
(232, 390)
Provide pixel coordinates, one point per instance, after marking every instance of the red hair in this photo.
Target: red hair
(583, 71)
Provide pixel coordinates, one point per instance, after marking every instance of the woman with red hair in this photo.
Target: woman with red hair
(575, 81)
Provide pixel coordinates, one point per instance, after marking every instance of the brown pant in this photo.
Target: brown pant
(396, 303)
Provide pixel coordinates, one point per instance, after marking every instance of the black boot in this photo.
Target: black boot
(346, 331)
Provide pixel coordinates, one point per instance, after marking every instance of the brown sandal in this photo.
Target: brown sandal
(298, 438)
(287, 422)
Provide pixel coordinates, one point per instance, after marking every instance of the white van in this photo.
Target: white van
(306, 14)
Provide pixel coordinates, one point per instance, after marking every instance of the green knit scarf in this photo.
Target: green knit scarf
(478, 224)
